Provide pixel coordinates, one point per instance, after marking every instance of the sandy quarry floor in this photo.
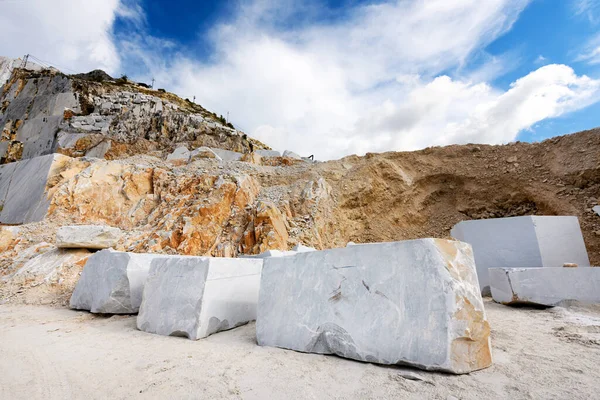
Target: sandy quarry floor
(54, 353)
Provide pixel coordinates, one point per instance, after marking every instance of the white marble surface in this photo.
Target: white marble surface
(24, 189)
(414, 302)
(112, 282)
(545, 286)
(195, 297)
(522, 242)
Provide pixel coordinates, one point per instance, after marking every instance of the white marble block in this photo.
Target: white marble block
(227, 155)
(112, 282)
(87, 237)
(409, 303)
(268, 153)
(522, 242)
(545, 286)
(195, 297)
(180, 156)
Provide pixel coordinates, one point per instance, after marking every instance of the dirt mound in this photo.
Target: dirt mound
(397, 196)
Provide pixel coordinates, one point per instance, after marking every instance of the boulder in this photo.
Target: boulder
(100, 150)
(195, 297)
(522, 242)
(180, 156)
(87, 237)
(252, 158)
(8, 237)
(47, 266)
(291, 154)
(112, 282)
(544, 286)
(596, 209)
(204, 152)
(408, 303)
(268, 153)
(227, 155)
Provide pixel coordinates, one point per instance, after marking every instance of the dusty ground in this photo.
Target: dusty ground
(55, 353)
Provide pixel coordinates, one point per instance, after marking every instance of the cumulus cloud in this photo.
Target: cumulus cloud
(71, 33)
(446, 111)
(376, 80)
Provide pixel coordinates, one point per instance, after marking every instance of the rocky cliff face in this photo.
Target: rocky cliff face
(8, 65)
(208, 206)
(42, 112)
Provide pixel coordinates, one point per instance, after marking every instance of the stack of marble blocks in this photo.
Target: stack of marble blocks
(531, 260)
(414, 302)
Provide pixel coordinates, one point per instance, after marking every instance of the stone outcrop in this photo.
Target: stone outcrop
(195, 297)
(87, 237)
(45, 111)
(112, 282)
(103, 193)
(24, 188)
(9, 236)
(8, 65)
(414, 302)
(522, 242)
(31, 114)
(291, 154)
(192, 213)
(180, 156)
(47, 266)
(545, 286)
(204, 152)
(42, 274)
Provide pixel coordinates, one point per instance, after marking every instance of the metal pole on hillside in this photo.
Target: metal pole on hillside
(25, 59)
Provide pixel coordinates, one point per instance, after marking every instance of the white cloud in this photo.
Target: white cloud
(74, 34)
(310, 88)
(370, 82)
(591, 52)
(588, 8)
(445, 111)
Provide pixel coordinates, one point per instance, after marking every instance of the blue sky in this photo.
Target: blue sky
(334, 78)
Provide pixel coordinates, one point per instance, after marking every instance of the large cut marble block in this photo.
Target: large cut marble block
(522, 242)
(227, 155)
(87, 237)
(195, 297)
(112, 282)
(23, 188)
(414, 302)
(545, 286)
